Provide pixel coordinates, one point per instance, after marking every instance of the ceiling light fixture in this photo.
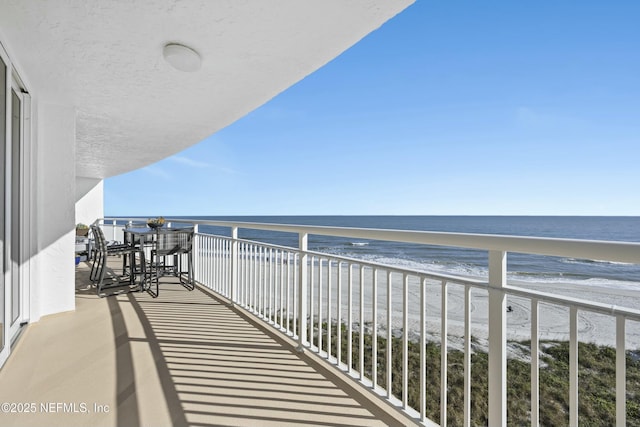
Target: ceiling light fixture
(181, 57)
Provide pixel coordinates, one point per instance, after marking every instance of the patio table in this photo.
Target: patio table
(142, 237)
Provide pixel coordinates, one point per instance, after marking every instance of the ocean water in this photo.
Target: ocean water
(465, 262)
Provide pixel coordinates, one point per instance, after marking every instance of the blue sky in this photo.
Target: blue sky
(451, 108)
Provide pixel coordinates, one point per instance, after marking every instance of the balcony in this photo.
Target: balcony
(297, 343)
(184, 358)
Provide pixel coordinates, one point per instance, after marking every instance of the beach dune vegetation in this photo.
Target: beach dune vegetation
(596, 379)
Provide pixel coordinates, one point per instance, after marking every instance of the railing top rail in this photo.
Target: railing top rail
(514, 290)
(628, 252)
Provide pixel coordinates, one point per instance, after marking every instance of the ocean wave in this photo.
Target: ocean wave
(481, 272)
(537, 275)
(592, 261)
(586, 282)
(358, 243)
(450, 268)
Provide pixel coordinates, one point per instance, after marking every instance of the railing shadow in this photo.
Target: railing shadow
(218, 365)
(226, 368)
(126, 395)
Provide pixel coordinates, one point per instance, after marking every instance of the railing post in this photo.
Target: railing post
(573, 366)
(497, 339)
(535, 363)
(234, 263)
(621, 373)
(196, 253)
(113, 229)
(303, 239)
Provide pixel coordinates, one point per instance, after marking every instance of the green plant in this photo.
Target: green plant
(596, 381)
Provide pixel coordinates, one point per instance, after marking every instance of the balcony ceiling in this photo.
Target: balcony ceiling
(133, 108)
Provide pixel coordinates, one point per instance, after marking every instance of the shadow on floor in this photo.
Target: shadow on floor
(216, 365)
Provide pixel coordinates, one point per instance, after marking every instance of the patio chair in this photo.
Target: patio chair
(178, 244)
(129, 240)
(112, 248)
(99, 267)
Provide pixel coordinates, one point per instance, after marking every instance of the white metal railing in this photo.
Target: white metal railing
(344, 308)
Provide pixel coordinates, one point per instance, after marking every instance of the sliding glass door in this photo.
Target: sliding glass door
(15, 315)
(12, 157)
(4, 329)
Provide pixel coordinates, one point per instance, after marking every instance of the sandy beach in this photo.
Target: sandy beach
(553, 318)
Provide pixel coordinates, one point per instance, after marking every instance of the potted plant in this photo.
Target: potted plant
(82, 229)
(155, 222)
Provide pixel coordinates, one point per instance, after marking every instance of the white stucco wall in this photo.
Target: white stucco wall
(89, 200)
(53, 290)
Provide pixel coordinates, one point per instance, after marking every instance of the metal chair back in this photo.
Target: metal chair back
(174, 242)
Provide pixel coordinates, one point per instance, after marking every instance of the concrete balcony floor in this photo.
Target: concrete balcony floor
(184, 358)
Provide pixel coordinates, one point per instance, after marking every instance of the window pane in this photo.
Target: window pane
(3, 144)
(16, 117)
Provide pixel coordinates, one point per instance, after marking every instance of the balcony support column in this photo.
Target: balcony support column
(497, 339)
(234, 264)
(303, 240)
